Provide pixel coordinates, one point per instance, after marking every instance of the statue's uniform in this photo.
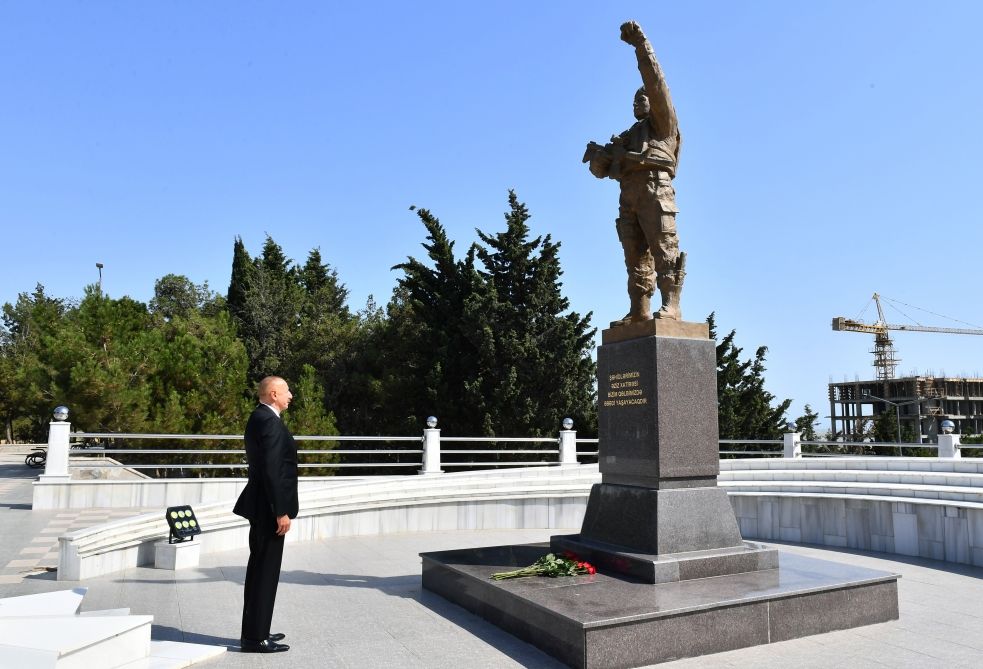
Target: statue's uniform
(643, 159)
(647, 212)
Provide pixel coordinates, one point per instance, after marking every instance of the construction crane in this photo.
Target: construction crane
(885, 360)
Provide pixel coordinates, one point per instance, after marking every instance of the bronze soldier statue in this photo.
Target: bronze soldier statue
(643, 159)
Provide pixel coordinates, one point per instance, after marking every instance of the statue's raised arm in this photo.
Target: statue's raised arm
(661, 111)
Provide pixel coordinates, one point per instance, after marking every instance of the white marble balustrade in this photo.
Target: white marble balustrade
(910, 506)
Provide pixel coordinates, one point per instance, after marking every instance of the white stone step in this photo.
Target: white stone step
(908, 490)
(155, 663)
(107, 612)
(27, 658)
(77, 642)
(59, 603)
(865, 476)
(957, 466)
(174, 655)
(192, 653)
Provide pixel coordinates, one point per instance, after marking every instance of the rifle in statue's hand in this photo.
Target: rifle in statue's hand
(605, 161)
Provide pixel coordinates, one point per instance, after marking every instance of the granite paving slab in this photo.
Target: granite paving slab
(337, 595)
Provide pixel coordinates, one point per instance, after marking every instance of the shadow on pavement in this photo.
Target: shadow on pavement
(165, 633)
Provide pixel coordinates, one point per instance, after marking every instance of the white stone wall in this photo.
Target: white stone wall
(122, 551)
(918, 528)
(919, 506)
(148, 493)
(534, 498)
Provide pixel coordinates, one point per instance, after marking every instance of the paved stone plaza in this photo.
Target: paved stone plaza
(358, 602)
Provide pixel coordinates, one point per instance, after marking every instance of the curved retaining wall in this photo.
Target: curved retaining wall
(914, 506)
(144, 493)
(925, 507)
(517, 499)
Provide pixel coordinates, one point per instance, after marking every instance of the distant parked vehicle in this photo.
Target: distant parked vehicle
(37, 457)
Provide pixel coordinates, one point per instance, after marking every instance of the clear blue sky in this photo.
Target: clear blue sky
(830, 150)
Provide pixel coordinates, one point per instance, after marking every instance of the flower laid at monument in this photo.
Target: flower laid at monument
(551, 565)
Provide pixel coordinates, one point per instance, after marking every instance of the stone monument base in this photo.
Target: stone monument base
(668, 567)
(600, 621)
(667, 520)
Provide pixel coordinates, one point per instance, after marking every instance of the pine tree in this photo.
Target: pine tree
(745, 408)
(121, 368)
(490, 351)
(325, 294)
(886, 426)
(806, 424)
(307, 416)
(265, 300)
(176, 295)
(356, 394)
(540, 368)
(292, 318)
(326, 329)
(26, 379)
(436, 329)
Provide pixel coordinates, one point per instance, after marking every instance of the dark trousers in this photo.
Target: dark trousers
(262, 577)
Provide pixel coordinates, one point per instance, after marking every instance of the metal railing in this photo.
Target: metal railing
(134, 457)
(430, 453)
(552, 453)
(725, 452)
(821, 448)
(239, 454)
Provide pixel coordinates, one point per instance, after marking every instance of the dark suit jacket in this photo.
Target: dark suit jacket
(272, 456)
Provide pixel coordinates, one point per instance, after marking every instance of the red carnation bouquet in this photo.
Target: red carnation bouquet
(551, 565)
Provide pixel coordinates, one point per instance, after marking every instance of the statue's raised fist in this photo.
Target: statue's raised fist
(632, 33)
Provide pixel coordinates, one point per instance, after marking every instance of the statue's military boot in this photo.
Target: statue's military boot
(641, 310)
(670, 286)
(670, 290)
(669, 310)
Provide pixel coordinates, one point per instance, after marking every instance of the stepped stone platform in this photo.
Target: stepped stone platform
(369, 589)
(676, 577)
(669, 567)
(601, 621)
(47, 631)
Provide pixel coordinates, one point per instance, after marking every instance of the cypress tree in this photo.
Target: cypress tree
(265, 300)
(540, 368)
(326, 333)
(806, 424)
(434, 335)
(491, 351)
(745, 408)
(242, 266)
(325, 294)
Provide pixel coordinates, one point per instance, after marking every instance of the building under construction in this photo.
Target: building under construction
(919, 402)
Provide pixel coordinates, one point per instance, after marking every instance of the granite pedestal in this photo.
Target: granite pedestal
(605, 621)
(676, 578)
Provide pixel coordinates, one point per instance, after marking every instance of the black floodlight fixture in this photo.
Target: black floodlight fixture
(184, 526)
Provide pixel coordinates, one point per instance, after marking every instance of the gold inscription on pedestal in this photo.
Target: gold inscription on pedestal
(624, 389)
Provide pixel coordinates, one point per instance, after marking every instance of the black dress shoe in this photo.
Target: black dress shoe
(279, 636)
(267, 646)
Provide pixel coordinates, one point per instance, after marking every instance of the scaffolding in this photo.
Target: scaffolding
(923, 402)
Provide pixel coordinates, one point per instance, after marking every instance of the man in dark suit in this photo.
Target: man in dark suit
(269, 501)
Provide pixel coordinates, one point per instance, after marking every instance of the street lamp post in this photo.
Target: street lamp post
(99, 266)
(897, 411)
